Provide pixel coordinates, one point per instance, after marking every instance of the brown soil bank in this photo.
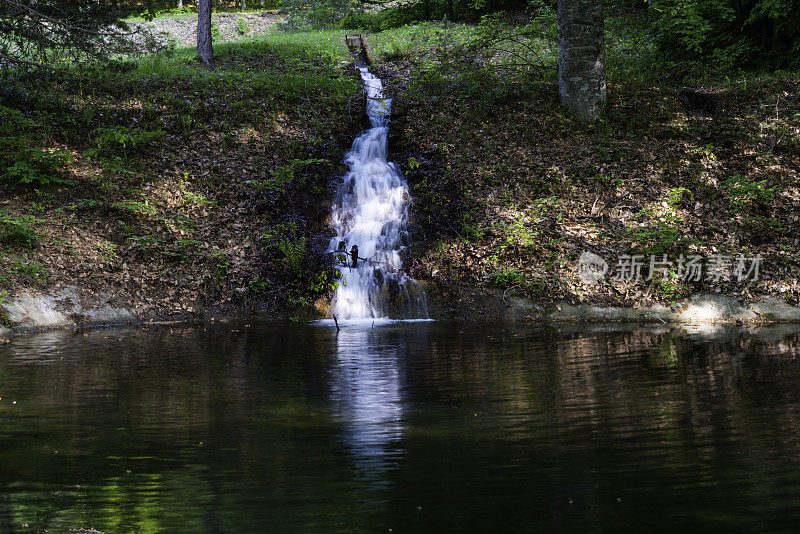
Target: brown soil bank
(509, 192)
(170, 191)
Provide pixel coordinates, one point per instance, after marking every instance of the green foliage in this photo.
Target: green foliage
(242, 26)
(38, 166)
(669, 287)
(20, 161)
(514, 48)
(216, 31)
(301, 67)
(363, 20)
(473, 232)
(116, 137)
(684, 26)
(17, 267)
(518, 233)
(536, 288)
(324, 282)
(135, 207)
(507, 277)
(66, 33)
(421, 38)
(284, 175)
(743, 190)
(731, 35)
(451, 10)
(258, 284)
(486, 64)
(176, 249)
(308, 14)
(294, 252)
(661, 231)
(287, 239)
(215, 278)
(18, 230)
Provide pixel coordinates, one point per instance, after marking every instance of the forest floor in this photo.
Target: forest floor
(509, 191)
(177, 191)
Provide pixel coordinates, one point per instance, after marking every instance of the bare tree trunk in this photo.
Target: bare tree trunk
(204, 45)
(581, 58)
(180, 4)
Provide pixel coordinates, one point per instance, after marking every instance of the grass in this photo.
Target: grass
(419, 37)
(277, 66)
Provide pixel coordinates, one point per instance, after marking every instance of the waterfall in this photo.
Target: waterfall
(371, 212)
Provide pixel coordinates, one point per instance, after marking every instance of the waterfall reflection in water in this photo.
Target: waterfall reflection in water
(366, 399)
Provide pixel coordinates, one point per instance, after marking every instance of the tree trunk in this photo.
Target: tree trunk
(180, 4)
(581, 58)
(204, 46)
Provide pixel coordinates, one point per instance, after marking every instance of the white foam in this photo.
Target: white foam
(371, 212)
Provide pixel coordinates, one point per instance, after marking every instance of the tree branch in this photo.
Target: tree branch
(4, 57)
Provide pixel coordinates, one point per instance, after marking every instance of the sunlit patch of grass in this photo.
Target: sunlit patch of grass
(422, 36)
(299, 66)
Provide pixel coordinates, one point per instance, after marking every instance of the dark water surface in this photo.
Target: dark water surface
(409, 427)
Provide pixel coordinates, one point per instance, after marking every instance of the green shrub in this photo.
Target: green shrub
(730, 35)
(21, 161)
(742, 190)
(661, 231)
(15, 267)
(507, 277)
(242, 26)
(284, 175)
(36, 165)
(289, 241)
(18, 231)
(315, 15)
(216, 31)
(124, 137)
(362, 20)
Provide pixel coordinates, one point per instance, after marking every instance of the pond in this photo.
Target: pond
(401, 427)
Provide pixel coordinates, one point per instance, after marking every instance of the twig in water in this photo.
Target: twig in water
(336, 322)
(655, 317)
(154, 307)
(506, 291)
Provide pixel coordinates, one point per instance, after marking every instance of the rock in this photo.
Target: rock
(66, 306)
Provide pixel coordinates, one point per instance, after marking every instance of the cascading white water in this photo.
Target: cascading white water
(371, 212)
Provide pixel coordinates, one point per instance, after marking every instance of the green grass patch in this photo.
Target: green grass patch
(280, 66)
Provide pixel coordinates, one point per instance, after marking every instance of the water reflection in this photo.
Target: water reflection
(366, 398)
(414, 427)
